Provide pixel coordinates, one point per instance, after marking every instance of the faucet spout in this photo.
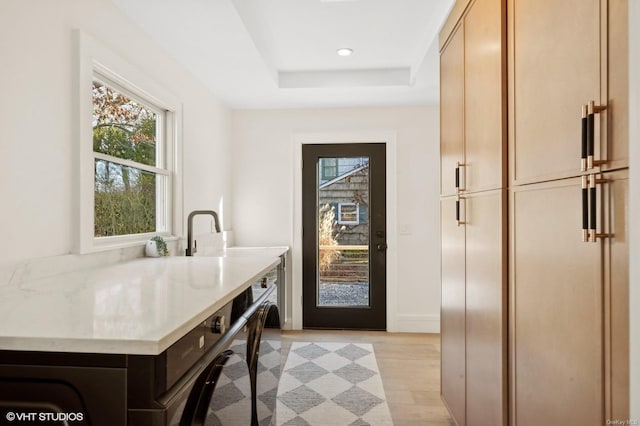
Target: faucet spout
(192, 246)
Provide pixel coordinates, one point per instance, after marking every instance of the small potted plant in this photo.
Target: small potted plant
(156, 247)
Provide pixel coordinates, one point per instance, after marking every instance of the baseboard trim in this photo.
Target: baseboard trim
(406, 323)
(402, 324)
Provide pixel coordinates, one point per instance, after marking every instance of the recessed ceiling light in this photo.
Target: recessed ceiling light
(344, 51)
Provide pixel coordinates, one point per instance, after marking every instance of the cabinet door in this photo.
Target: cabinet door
(452, 318)
(616, 142)
(616, 260)
(556, 326)
(485, 123)
(451, 111)
(554, 62)
(486, 308)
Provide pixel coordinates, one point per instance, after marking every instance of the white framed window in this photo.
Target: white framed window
(129, 179)
(348, 214)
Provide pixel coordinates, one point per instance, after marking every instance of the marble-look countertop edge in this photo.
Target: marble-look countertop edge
(170, 339)
(150, 346)
(243, 250)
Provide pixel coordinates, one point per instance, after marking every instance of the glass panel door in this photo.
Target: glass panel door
(344, 236)
(343, 231)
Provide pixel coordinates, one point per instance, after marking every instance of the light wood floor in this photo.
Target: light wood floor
(409, 365)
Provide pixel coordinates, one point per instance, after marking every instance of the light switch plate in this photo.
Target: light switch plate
(405, 229)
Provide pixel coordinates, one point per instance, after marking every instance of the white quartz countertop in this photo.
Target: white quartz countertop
(243, 251)
(141, 306)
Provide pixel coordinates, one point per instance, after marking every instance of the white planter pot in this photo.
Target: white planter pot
(151, 249)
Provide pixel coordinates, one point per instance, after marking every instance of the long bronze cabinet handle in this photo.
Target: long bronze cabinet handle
(459, 179)
(459, 220)
(592, 109)
(590, 208)
(583, 157)
(585, 208)
(459, 189)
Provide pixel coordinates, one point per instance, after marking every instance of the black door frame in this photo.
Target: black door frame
(373, 317)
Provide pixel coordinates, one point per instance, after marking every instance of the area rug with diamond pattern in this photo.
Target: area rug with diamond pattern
(331, 384)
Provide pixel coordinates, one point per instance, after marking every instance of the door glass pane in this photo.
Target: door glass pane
(343, 232)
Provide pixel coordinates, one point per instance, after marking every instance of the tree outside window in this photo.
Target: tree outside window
(127, 169)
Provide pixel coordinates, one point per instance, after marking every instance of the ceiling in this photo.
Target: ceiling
(282, 53)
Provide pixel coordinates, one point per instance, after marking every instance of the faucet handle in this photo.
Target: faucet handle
(190, 251)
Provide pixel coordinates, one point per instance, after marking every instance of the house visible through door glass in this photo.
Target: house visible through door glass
(343, 232)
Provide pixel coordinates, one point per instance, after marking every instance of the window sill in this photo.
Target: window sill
(116, 243)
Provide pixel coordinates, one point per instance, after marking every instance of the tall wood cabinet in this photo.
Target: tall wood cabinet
(473, 101)
(568, 327)
(556, 307)
(485, 251)
(473, 215)
(453, 311)
(569, 322)
(535, 248)
(564, 54)
(473, 319)
(452, 113)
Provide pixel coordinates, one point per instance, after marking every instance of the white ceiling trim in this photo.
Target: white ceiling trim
(433, 24)
(344, 78)
(282, 53)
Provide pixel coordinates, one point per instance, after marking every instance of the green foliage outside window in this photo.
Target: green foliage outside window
(125, 197)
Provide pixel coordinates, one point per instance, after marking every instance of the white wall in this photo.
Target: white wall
(38, 124)
(634, 214)
(264, 144)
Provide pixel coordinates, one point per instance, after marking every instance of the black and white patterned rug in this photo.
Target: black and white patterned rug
(331, 384)
(231, 404)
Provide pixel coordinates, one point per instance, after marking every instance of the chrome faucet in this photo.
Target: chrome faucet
(191, 251)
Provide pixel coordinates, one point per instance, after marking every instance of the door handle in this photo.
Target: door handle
(459, 186)
(381, 246)
(592, 110)
(592, 209)
(583, 157)
(585, 208)
(458, 221)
